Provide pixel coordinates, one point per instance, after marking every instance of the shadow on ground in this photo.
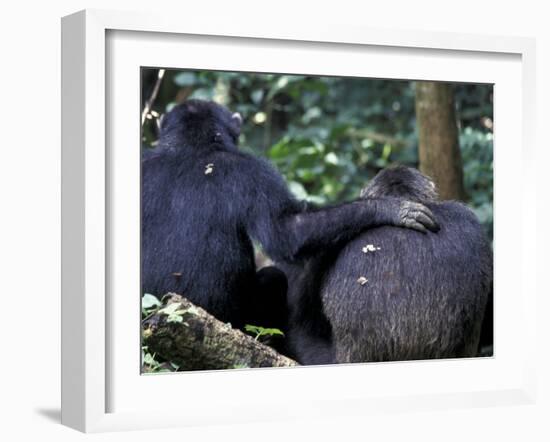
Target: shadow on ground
(51, 414)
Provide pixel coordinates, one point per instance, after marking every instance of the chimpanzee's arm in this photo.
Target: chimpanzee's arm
(288, 230)
(292, 235)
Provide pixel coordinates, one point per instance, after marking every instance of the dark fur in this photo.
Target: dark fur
(197, 227)
(309, 336)
(486, 338)
(425, 296)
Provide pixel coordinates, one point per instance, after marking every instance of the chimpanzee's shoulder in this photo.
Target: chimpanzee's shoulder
(454, 210)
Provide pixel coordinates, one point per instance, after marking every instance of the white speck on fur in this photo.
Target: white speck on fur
(362, 280)
(209, 169)
(370, 248)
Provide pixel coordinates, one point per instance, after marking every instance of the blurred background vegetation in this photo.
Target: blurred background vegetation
(329, 135)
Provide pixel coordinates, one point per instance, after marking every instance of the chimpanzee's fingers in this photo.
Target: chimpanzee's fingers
(415, 225)
(425, 216)
(425, 220)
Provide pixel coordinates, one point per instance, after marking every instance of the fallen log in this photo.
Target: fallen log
(189, 336)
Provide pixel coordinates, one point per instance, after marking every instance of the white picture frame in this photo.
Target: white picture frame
(94, 365)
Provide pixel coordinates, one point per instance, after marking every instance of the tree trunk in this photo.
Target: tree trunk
(187, 335)
(438, 147)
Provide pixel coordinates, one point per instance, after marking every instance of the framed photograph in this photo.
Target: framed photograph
(303, 219)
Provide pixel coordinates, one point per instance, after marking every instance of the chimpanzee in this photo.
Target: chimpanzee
(203, 202)
(395, 294)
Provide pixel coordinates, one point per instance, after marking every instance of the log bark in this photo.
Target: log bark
(438, 147)
(189, 336)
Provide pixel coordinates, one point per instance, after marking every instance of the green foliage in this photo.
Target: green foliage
(149, 363)
(477, 156)
(329, 135)
(261, 332)
(149, 304)
(241, 366)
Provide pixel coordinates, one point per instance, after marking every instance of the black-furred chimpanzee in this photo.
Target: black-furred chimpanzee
(394, 294)
(203, 202)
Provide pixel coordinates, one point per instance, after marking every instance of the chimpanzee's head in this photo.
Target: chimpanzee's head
(402, 182)
(198, 124)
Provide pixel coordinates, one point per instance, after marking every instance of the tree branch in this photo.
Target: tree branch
(189, 336)
(149, 103)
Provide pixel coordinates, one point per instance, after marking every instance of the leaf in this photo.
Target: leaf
(149, 359)
(331, 158)
(261, 331)
(202, 94)
(185, 79)
(272, 332)
(240, 366)
(297, 189)
(252, 328)
(257, 96)
(311, 114)
(149, 301)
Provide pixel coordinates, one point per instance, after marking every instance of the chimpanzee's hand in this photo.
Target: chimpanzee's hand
(403, 213)
(416, 216)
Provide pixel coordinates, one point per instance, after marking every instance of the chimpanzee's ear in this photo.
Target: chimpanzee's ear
(237, 121)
